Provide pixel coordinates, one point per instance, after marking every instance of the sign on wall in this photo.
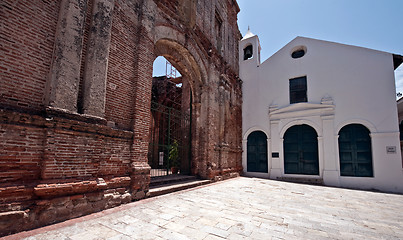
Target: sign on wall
(161, 158)
(391, 149)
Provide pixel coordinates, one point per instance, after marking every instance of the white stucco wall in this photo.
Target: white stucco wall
(345, 84)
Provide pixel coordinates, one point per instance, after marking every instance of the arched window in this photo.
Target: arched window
(301, 150)
(248, 52)
(355, 151)
(257, 152)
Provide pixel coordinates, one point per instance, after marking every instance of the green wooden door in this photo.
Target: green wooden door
(355, 151)
(257, 152)
(301, 151)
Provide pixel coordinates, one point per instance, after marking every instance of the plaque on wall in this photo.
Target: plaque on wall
(390, 149)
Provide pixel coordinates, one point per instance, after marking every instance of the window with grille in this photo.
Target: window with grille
(298, 89)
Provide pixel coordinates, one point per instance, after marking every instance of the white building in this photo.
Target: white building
(400, 116)
(323, 112)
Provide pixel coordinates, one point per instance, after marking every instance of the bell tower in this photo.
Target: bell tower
(249, 51)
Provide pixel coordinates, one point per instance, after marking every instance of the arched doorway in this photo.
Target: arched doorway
(170, 130)
(257, 152)
(301, 150)
(401, 130)
(173, 134)
(355, 151)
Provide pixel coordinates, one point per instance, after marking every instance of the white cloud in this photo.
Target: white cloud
(399, 79)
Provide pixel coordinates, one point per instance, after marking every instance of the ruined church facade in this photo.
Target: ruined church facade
(75, 97)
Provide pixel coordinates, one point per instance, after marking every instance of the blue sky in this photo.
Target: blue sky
(375, 24)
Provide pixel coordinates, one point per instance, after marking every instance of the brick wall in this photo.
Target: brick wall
(21, 154)
(120, 89)
(72, 154)
(55, 168)
(26, 44)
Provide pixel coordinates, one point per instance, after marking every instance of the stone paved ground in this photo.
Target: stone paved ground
(243, 208)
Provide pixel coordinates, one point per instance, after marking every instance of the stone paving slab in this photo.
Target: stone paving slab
(242, 208)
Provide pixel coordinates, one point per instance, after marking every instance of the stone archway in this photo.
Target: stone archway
(182, 60)
(186, 64)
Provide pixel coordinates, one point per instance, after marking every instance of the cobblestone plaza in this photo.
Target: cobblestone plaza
(242, 208)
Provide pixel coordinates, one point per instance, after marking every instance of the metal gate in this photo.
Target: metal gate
(170, 138)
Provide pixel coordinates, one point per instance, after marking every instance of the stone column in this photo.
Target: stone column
(63, 84)
(96, 65)
(211, 108)
(321, 155)
(330, 153)
(221, 126)
(277, 164)
(245, 155)
(269, 156)
(196, 138)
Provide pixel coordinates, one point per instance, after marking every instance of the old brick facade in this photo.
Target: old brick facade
(75, 95)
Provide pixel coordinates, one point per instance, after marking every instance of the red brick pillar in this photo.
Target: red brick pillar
(140, 180)
(142, 119)
(140, 174)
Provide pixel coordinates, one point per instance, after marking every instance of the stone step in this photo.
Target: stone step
(156, 181)
(313, 181)
(176, 186)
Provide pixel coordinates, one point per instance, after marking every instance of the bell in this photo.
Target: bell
(248, 52)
